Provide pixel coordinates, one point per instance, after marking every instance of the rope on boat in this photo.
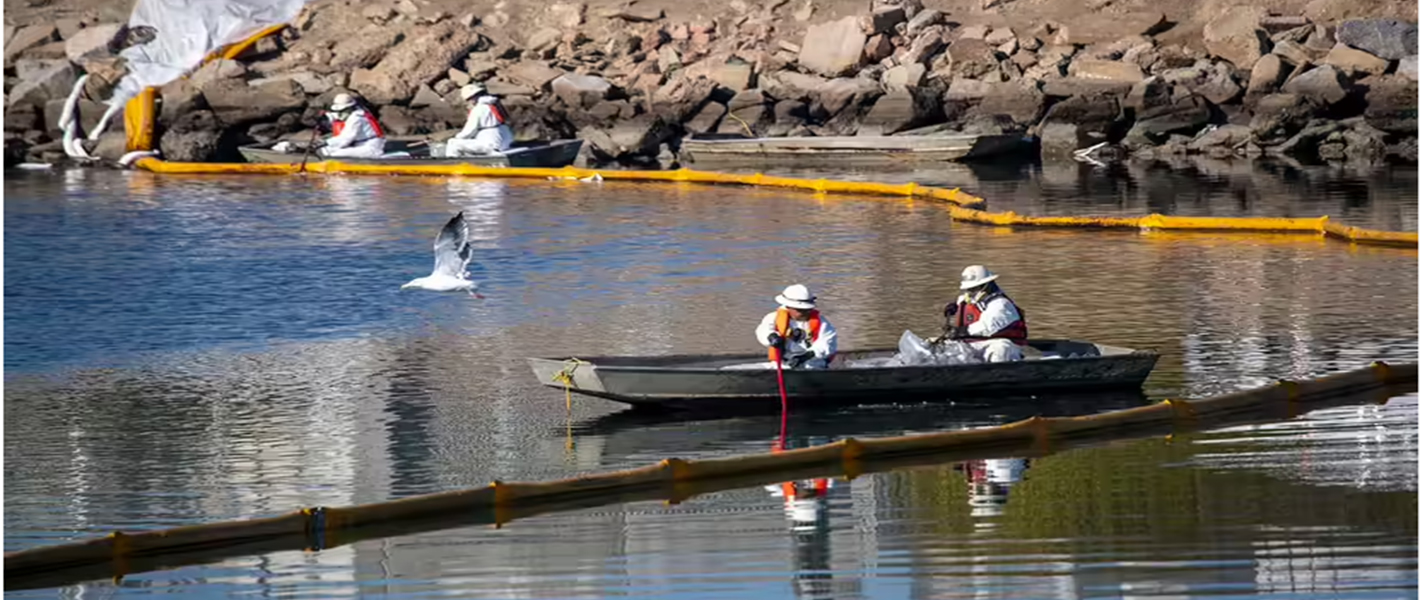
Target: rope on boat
(564, 377)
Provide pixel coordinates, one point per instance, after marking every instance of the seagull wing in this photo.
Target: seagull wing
(451, 249)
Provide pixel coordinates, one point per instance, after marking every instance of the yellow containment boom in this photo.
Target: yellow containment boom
(966, 207)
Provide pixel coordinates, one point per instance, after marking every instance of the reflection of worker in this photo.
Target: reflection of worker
(987, 484)
(806, 506)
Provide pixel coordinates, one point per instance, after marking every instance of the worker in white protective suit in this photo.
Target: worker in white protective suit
(985, 318)
(486, 131)
(355, 131)
(797, 333)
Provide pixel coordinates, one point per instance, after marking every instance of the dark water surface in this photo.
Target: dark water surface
(189, 349)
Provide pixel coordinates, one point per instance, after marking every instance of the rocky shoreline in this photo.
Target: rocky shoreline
(634, 83)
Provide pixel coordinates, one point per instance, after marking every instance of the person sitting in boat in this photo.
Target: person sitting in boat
(985, 318)
(797, 333)
(356, 132)
(486, 131)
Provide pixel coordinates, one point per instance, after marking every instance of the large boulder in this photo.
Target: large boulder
(362, 50)
(734, 74)
(898, 111)
(581, 91)
(1185, 115)
(1324, 83)
(87, 111)
(1390, 104)
(191, 138)
(904, 77)
(682, 97)
(179, 97)
(1355, 63)
(969, 91)
(707, 120)
(29, 37)
(925, 18)
(1267, 74)
(1297, 54)
(1021, 102)
(640, 136)
(534, 74)
(1111, 70)
(420, 60)
(236, 103)
(1229, 137)
(834, 48)
(1237, 36)
(789, 85)
(217, 71)
(1060, 140)
(90, 40)
(41, 80)
(924, 48)
(1387, 38)
(843, 94)
(1095, 28)
(1407, 68)
(971, 58)
(1277, 117)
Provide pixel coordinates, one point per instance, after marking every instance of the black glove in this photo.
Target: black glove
(950, 310)
(796, 335)
(798, 360)
(776, 341)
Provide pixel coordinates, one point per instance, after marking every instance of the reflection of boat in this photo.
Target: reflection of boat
(627, 434)
(703, 383)
(851, 150)
(555, 154)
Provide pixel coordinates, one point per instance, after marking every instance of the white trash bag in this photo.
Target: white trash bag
(913, 351)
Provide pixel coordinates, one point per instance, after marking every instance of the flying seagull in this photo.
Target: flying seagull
(451, 256)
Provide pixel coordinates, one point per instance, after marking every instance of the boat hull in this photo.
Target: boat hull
(858, 151)
(692, 382)
(551, 155)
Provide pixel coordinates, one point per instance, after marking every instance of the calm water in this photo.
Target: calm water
(190, 349)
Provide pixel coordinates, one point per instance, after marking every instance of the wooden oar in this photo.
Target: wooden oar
(311, 143)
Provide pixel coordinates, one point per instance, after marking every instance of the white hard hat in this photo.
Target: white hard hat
(796, 296)
(471, 90)
(976, 275)
(342, 102)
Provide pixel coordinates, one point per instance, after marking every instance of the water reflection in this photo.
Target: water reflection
(203, 373)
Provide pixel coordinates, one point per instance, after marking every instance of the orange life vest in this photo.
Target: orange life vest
(339, 126)
(781, 326)
(1015, 331)
(791, 489)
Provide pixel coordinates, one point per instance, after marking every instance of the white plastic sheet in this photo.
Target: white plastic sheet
(186, 31)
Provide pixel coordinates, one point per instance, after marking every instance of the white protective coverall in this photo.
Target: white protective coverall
(358, 138)
(486, 131)
(824, 347)
(995, 316)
